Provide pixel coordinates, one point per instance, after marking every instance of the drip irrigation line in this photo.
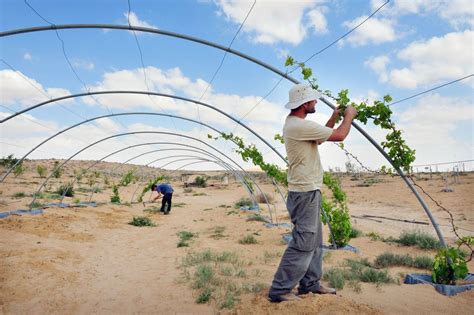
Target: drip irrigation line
(143, 63)
(223, 58)
(430, 90)
(313, 55)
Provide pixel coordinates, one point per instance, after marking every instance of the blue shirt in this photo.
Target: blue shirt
(164, 189)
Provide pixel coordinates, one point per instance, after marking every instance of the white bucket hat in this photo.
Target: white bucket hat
(300, 94)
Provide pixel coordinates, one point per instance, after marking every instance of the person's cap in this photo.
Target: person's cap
(300, 94)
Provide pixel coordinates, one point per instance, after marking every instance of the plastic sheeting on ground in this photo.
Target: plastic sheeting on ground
(445, 289)
(270, 225)
(56, 204)
(20, 212)
(251, 208)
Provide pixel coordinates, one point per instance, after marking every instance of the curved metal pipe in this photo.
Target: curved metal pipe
(242, 180)
(100, 117)
(119, 135)
(225, 165)
(254, 60)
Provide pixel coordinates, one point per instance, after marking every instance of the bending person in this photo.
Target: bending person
(167, 191)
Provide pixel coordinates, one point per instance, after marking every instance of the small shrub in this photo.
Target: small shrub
(449, 266)
(8, 161)
(57, 172)
(355, 233)
(200, 194)
(249, 239)
(423, 262)
(66, 190)
(420, 239)
(243, 202)
(256, 217)
(19, 169)
(141, 221)
(374, 236)
(360, 269)
(200, 181)
(335, 277)
(19, 195)
(205, 296)
(115, 198)
(184, 237)
(36, 204)
(41, 170)
(229, 300)
(270, 256)
(203, 276)
(218, 232)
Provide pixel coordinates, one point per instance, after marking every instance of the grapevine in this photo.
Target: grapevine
(401, 154)
(450, 262)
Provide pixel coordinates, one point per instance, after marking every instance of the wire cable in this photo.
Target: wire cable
(222, 61)
(69, 62)
(312, 56)
(430, 90)
(143, 63)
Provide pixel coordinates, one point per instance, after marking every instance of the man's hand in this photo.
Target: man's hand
(350, 112)
(336, 112)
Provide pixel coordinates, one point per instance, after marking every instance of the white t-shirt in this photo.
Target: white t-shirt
(302, 137)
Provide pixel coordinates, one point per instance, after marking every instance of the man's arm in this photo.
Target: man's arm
(341, 132)
(332, 120)
(157, 197)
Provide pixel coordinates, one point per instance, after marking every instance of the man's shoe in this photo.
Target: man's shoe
(320, 290)
(167, 212)
(283, 298)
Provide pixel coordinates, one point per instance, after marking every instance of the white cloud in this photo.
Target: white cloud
(373, 31)
(282, 53)
(27, 56)
(83, 64)
(437, 59)
(431, 128)
(17, 88)
(318, 20)
(174, 82)
(276, 21)
(458, 13)
(379, 65)
(135, 21)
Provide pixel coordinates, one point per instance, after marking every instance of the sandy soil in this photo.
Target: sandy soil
(89, 260)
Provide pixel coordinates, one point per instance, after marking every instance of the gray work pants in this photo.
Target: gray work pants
(302, 260)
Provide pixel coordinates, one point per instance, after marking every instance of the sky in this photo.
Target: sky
(406, 48)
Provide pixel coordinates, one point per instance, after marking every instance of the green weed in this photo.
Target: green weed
(141, 221)
(249, 239)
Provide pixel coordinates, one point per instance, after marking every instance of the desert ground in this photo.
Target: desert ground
(89, 260)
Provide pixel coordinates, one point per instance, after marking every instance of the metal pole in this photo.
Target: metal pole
(254, 60)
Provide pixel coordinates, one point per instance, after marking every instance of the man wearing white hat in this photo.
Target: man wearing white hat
(302, 261)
